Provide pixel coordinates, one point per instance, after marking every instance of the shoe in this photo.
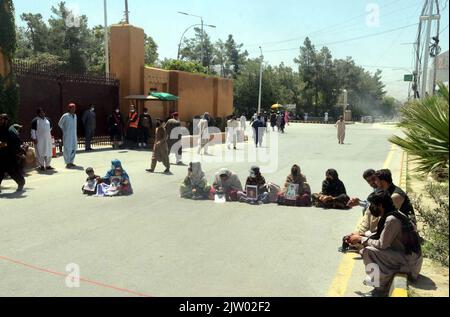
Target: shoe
(49, 168)
(41, 168)
(374, 293)
(180, 163)
(167, 171)
(68, 166)
(20, 189)
(150, 171)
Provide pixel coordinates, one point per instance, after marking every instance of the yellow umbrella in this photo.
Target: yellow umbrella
(277, 106)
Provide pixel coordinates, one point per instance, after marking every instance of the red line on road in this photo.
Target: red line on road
(36, 268)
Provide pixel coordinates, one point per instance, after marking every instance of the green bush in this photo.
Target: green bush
(426, 125)
(435, 222)
(190, 67)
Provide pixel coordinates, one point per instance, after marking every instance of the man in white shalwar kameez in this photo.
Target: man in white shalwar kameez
(68, 124)
(41, 128)
(232, 131)
(340, 125)
(204, 136)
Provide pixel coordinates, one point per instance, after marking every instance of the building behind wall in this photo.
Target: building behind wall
(198, 93)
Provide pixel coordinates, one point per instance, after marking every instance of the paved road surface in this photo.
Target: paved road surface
(153, 243)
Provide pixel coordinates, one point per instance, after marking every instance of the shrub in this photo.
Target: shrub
(435, 222)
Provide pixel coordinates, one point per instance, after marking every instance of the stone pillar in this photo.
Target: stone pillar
(127, 61)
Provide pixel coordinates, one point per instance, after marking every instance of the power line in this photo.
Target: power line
(348, 40)
(442, 31)
(334, 26)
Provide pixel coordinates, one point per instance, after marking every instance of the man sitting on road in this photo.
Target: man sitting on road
(369, 224)
(394, 248)
(399, 197)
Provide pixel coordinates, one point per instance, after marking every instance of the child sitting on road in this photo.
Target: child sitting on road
(90, 187)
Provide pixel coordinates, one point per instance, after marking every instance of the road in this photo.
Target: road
(155, 244)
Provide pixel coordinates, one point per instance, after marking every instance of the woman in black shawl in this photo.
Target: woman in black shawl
(333, 195)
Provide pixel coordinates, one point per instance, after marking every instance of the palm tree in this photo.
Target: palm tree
(425, 124)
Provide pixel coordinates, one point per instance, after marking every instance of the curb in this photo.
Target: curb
(399, 286)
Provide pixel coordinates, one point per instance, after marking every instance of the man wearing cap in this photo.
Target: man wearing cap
(68, 125)
(41, 128)
(174, 136)
(89, 123)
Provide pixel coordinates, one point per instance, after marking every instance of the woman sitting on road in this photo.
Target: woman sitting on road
(333, 195)
(226, 183)
(195, 186)
(116, 182)
(297, 191)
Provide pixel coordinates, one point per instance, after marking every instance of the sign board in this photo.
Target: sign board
(408, 78)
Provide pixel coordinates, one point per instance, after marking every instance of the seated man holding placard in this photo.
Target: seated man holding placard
(297, 191)
(256, 191)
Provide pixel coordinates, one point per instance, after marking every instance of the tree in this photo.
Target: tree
(151, 50)
(36, 32)
(193, 49)
(235, 58)
(69, 39)
(307, 62)
(9, 93)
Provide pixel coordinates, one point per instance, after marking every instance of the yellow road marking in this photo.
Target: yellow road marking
(399, 292)
(340, 283)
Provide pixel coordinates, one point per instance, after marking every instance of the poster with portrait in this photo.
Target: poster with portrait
(292, 191)
(252, 192)
(90, 186)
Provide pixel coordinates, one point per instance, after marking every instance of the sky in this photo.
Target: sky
(347, 27)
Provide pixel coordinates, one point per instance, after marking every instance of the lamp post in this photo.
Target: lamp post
(203, 32)
(260, 81)
(106, 38)
(184, 33)
(127, 16)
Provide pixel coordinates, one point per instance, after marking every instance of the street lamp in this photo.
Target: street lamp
(106, 38)
(260, 81)
(184, 33)
(203, 33)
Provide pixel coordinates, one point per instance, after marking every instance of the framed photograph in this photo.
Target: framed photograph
(115, 181)
(252, 192)
(220, 199)
(90, 186)
(292, 192)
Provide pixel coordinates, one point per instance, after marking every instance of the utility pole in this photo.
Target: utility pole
(106, 38)
(260, 81)
(127, 17)
(203, 43)
(427, 50)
